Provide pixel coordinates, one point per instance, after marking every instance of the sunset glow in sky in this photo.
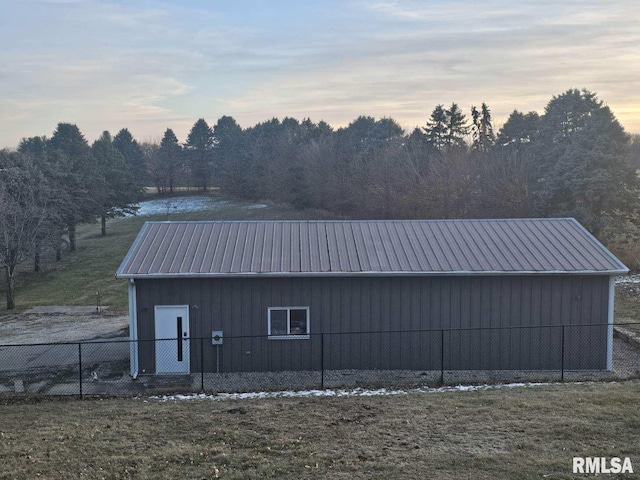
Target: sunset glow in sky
(147, 65)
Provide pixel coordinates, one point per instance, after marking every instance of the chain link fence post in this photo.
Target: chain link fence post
(441, 358)
(202, 364)
(322, 361)
(562, 357)
(80, 367)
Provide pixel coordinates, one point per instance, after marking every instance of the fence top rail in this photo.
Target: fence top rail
(319, 334)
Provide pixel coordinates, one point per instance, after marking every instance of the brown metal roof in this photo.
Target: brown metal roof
(395, 247)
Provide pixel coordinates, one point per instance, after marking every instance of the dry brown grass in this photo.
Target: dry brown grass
(628, 251)
(627, 306)
(518, 433)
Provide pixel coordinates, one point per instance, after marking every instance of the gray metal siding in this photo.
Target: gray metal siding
(338, 306)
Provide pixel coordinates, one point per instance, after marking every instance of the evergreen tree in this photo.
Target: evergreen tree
(519, 130)
(199, 151)
(580, 163)
(314, 132)
(436, 129)
(417, 136)
(133, 157)
(170, 154)
(121, 193)
(324, 129)
(634, 151)
(358, 136)
(35, 146)
(457, 127)
(385, 131)
(269, 155)
(231, 155)
(78, 176)
(227, 140)
(482, 129)
(365, 135)
(446, 128)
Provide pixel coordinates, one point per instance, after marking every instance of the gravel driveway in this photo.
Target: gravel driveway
(60, 324)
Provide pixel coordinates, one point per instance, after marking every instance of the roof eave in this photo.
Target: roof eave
(132, 249)
(368, 274)
(599, 245)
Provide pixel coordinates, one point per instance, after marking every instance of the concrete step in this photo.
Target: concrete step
(167, 382)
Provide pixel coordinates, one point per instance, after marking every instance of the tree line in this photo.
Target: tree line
(574, 159)
(51, 185)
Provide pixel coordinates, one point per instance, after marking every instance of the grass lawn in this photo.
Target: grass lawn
(76, 279)
(517, 433)
(627, 306)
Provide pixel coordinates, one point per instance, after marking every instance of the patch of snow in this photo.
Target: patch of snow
(190, 203)
(256, 205)
(628, 279)
(355, 392)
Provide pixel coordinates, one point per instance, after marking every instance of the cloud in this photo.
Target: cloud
(420, 54)
(149, 66)
(101, 65)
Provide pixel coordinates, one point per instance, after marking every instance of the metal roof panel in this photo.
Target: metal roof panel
(423, 247)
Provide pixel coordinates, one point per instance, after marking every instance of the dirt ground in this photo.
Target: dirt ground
(60, 324)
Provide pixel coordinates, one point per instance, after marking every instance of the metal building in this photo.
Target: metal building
(389, 294)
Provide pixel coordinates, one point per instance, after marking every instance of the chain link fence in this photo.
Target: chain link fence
(329, 360)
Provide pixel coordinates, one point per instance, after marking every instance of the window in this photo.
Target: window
(288, 323)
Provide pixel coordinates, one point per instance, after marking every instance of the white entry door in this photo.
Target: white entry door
(172, 339)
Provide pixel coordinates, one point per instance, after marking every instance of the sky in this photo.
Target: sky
(149, 66)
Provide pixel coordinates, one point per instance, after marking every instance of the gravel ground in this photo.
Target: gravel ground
(63, 324)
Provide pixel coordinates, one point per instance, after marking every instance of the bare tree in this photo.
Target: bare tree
(503, 186)
(24, 214)
(153, 164)
(330, 180)
(449, 189)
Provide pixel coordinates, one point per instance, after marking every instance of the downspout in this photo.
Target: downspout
(133, 329)
(612, 287)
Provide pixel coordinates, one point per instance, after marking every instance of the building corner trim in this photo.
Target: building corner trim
(133, 329)
(612, 287)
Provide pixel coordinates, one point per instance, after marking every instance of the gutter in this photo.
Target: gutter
(150, 276)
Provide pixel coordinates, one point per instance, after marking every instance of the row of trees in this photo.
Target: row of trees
(49, 186)
(573, 160)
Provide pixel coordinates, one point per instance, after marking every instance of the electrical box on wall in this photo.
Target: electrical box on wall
(216, 337)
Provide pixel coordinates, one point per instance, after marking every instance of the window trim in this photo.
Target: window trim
(289, 336)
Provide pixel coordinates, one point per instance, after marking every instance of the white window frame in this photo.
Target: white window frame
(289, 336)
